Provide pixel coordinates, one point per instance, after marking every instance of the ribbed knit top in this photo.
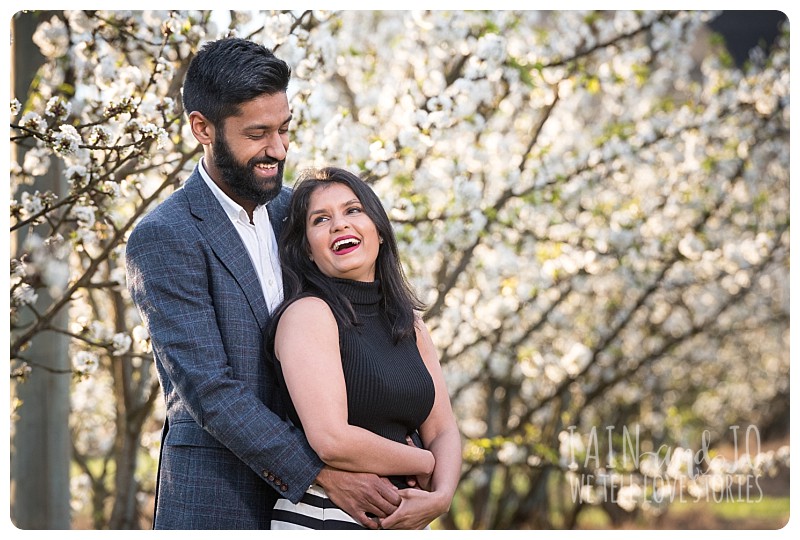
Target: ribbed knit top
(389, 390)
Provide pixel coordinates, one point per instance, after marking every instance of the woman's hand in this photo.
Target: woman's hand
(359, 494)
(417, 510)
(422, 481)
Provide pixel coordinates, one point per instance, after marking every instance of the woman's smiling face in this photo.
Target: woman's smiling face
(342, 238)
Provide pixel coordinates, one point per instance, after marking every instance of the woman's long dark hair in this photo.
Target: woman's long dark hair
(301, 277)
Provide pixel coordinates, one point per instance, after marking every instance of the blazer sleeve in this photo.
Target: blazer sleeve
(170, 282)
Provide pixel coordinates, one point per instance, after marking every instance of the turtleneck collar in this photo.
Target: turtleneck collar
(359, 292)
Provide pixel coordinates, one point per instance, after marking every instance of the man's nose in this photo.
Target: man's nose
(275, 147)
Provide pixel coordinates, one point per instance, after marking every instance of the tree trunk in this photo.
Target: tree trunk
(40, 445)
(125, 511)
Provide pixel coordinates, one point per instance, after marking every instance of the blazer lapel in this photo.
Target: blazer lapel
(226, 243)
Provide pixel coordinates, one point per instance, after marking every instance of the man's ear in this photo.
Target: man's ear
(202, 128)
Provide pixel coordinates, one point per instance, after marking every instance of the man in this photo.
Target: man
(204, 274)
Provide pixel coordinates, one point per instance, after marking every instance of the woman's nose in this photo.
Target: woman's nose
(339, 223)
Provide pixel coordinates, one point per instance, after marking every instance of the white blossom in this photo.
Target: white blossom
(99, 331)
(538, 204)
(33, 122)
(630, 496)
(84, 215)
(37, 161)
(52, 38)
(510, 453)
(85, 362)
(32, 202)
(150, 131)
(140, 333)
(576, 359)
(121, 343)
(66, 142)
(77, 175)
(57, 108)
(691, 247)
(491, 47)
(24, 295)
(100, 135)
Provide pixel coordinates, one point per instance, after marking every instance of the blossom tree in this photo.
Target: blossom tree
(594, 207)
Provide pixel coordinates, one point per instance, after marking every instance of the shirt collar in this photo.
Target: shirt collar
(233, 209)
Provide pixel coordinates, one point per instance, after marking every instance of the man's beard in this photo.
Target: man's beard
(242, 178)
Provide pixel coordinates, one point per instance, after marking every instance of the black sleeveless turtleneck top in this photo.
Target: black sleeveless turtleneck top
(389, 389)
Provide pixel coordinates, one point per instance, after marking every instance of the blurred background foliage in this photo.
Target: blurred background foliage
(595, 206)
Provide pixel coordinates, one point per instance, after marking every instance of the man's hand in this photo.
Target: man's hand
(418, 509)
(359, 494)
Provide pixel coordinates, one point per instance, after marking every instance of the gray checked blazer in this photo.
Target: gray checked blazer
(226, 454)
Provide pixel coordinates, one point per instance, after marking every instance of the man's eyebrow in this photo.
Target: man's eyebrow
(265, 126)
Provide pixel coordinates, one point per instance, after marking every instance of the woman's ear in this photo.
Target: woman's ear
(202, 128)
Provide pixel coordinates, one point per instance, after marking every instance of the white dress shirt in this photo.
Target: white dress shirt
(258, 238)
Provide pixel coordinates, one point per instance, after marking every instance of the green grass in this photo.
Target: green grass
(592, 518)
(768, 513)
(767, 509)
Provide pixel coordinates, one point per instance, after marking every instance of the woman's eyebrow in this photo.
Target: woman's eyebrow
(343, 205)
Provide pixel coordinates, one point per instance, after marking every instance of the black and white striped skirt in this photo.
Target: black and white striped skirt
(314, 511)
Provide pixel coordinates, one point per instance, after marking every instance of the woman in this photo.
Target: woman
(359, 367)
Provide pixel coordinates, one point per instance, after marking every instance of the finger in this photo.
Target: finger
(382, 507)
(389, 523)
(367, 522)
(389, 493)
(378, 512)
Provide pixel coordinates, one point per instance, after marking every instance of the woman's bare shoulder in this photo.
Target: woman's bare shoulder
(309, 311)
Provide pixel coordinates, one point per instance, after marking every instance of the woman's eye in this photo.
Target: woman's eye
(317, 220)
(353, 210)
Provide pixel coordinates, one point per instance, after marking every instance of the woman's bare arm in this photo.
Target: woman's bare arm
(307, 345)
(440, 435)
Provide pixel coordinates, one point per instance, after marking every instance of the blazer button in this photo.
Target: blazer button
(284, 487)
(271, 477)
(265, 473)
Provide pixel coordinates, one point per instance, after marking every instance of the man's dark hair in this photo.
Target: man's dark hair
(228, 72)
(302, 277)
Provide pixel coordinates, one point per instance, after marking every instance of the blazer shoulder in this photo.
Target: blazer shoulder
(168, 217)
(281, 201)
(278, 209)
(176, 207)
